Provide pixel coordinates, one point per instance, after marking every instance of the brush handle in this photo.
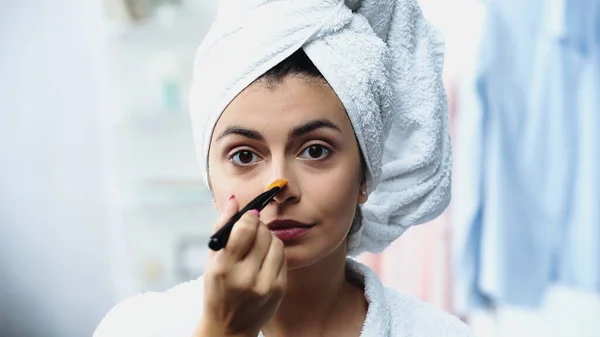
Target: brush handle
(219, 240)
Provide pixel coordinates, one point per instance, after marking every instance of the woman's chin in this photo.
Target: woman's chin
(304, 255)
(297, 257)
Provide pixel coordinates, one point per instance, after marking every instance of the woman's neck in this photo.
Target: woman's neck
(318, 297)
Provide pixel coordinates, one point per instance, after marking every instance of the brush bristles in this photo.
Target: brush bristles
(277, 183)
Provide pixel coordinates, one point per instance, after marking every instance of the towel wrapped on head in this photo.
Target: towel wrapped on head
(384, 62)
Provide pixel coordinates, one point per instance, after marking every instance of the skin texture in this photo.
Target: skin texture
(296, 130)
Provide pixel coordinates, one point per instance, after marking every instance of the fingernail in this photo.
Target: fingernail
(228, 200)
(255, 212)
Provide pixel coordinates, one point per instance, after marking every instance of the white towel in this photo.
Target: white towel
(382, 59)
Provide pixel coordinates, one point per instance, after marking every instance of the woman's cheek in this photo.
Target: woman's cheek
(334, 201)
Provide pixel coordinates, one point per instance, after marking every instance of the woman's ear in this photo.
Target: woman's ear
(362, 193)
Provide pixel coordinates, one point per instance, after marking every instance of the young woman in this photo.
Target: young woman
(362, 140)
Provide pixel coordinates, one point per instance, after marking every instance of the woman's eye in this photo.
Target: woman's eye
(315, 152)
(244, 157)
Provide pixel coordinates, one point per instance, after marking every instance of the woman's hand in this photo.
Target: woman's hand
(244, 283)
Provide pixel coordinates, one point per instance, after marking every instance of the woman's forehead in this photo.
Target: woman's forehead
(292, 102)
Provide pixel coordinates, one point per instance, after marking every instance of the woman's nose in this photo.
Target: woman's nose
(290, 192)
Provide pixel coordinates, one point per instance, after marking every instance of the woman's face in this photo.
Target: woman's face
(297, 130)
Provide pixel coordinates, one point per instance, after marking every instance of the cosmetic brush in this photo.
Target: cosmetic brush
(219, 239)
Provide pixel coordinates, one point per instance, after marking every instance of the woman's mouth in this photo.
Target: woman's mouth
(287, 230)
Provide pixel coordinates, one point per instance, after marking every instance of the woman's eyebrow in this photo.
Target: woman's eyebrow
(296, 132)
(311, 126)
(238, 130)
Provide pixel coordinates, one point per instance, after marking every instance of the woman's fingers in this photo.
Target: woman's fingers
(242, 236)
(245, 282)
(262, 243)
(271, 270)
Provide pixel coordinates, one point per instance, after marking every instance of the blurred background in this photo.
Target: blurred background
(101, 198)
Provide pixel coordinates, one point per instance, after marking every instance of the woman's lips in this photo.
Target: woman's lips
(286, 234)
(286, 229)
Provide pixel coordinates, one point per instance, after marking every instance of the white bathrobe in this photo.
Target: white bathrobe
(176, 312)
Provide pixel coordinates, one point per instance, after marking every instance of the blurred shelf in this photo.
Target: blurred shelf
(169, 27)
(155, 120)
(161, 221)
(159, 193)
(167, 193)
